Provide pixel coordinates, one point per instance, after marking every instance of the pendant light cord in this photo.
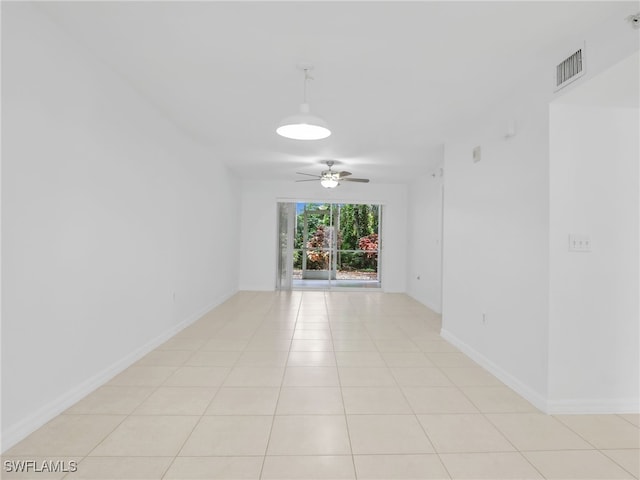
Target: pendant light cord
(307, 77)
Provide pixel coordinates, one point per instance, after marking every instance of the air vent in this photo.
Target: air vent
(570, 69)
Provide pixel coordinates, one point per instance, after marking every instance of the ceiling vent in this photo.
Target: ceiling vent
(570, 69)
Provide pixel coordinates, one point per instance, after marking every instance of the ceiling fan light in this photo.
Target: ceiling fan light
(329, 182)
(330, 179)
(303, 126)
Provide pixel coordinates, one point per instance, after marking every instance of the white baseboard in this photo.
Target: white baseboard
(20, 430)
(426, 303)
(551, 407)
(431, 306)
(509, 380)
(590, 406)
(257, 288)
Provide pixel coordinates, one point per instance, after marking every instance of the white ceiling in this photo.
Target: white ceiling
(390, 77)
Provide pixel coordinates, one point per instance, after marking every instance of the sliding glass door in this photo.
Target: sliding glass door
(333, 245)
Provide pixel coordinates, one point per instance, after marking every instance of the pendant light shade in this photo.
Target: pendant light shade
(304, 125)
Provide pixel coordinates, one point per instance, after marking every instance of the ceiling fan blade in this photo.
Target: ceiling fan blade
(344, 174)
(360, 180)
(309, 180)
(309, 174)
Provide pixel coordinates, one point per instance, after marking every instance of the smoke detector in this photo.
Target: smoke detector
(634, 21)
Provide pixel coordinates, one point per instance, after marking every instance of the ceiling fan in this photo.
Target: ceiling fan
(330, 178)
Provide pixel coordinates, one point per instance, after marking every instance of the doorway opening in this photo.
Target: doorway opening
(329, 245)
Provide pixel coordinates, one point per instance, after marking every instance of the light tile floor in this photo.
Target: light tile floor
(338, 385)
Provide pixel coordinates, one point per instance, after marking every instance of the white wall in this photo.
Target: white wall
(496, 221)
(594, 353)
(259, 225)
(495, 281)
(107, 211)
(424, 267)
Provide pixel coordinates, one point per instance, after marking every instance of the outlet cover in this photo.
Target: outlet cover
(477, 154)
(579, 243)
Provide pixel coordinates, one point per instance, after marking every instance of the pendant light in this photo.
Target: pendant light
(304, 125)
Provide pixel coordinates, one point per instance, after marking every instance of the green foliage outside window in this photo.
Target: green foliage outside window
(358, 231)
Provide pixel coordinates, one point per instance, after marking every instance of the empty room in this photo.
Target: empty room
(320, 240)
